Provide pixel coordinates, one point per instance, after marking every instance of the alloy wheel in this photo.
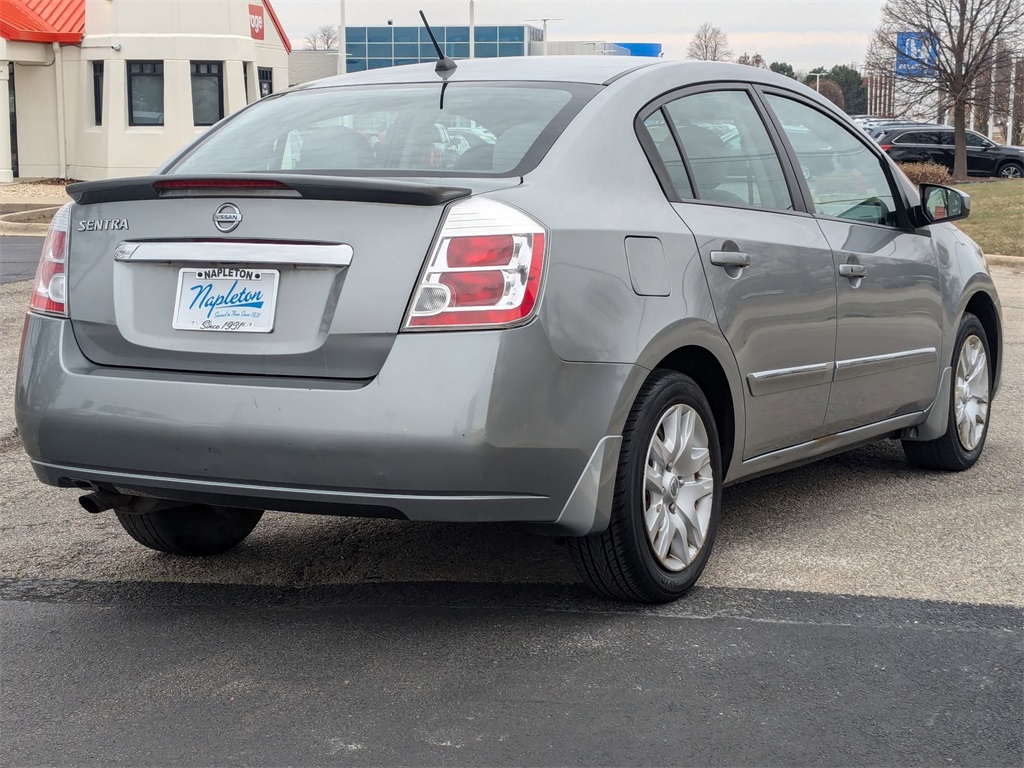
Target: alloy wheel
(679, 488)
(1010, 172)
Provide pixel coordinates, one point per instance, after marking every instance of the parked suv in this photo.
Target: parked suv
(633, 298)
(984, 157)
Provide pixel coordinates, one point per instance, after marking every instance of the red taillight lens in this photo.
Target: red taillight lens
(484, 272)
(886, 147)
(50, 290)
(489, 251)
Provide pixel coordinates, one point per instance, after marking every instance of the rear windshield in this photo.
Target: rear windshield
(430, 129)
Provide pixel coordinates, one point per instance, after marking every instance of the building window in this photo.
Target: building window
(207, 92)
(266, 75)
(97, 92)
(146, 92)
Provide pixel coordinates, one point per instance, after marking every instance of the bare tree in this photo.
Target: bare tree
(831, 91)
(323, 38)
(966, 36)
(757, 60)
(709, 44)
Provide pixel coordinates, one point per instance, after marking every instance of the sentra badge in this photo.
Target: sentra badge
(102, 225)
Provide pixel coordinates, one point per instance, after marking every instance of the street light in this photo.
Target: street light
(546, 20)
(472, 29)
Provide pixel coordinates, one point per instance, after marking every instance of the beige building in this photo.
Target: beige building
(104, 88)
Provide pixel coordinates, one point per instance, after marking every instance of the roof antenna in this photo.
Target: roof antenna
(444, 63)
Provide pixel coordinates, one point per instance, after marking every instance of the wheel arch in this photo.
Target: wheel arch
(701, 365)
(982, 306)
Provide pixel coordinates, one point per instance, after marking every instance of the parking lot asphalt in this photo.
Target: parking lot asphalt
(862, 523)
(855, 611)
(19, 257)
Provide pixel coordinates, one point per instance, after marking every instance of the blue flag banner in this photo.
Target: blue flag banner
(916, 53)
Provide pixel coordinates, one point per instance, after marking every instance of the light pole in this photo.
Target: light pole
(472, 29)
(342, 48)
(817, 80)
(544, 49)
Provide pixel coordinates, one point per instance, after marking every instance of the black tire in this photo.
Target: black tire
(1011, 170)
(946, 453)
(195, 530)
(619, 563)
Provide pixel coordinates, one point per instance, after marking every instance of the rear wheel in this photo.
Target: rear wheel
(1011, 171)
(667, 498)
(195, 530)
(967, 425)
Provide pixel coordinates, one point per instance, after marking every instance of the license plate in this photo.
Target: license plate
(230, 299)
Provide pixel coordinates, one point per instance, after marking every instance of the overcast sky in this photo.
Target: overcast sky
(806, 33)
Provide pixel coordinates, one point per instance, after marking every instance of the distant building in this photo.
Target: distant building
(388, 46)
(379, 47)
(101, 88)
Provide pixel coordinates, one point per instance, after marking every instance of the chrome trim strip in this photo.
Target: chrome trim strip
(784, 379)
(868, 366)
(295, 254)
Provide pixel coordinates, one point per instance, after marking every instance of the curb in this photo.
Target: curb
(17, 228)
(995, 260)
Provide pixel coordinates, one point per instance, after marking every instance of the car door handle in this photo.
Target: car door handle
(729, 259)
(852, 270)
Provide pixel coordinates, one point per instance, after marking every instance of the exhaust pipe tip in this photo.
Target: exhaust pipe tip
(101, 501)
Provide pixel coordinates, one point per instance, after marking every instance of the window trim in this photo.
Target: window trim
(796, 192)
(129, 77)
(220, 89)
(902, 207)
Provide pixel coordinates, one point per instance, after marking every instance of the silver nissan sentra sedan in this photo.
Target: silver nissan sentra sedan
(634, 296)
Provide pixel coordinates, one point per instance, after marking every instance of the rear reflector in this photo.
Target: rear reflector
(484, 272)
(50, 290)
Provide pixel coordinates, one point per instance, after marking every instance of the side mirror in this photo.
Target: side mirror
(940, 204)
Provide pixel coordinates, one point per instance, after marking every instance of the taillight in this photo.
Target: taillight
(50, 290)
(484, 272)
(886, 147)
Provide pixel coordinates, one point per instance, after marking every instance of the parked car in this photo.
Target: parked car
(592, 335)
(879, 132)
(928, 144)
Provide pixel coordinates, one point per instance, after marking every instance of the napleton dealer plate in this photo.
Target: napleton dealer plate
(227, 299)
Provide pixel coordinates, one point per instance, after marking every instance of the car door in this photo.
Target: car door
(915, 147)
(981, 159)
(889, 290)
(768, 267)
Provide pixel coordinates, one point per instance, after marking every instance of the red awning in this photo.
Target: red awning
(277, 25)
(42, 21)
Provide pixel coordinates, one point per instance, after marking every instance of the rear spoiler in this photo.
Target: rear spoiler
(360, 190)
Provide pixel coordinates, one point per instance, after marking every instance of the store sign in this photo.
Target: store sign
(256, 26)
(916, 55)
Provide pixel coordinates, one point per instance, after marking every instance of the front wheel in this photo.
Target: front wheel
(967, 424)
(195, 530)
(1011, 171)
(667, 498)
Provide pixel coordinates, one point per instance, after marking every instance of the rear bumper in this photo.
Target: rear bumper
(475, 427)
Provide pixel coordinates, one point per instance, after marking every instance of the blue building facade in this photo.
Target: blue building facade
(380, 47)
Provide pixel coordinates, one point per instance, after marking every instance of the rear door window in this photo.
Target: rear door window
(730, 155)
(917, 137)
(399, 130)
(846, 179)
